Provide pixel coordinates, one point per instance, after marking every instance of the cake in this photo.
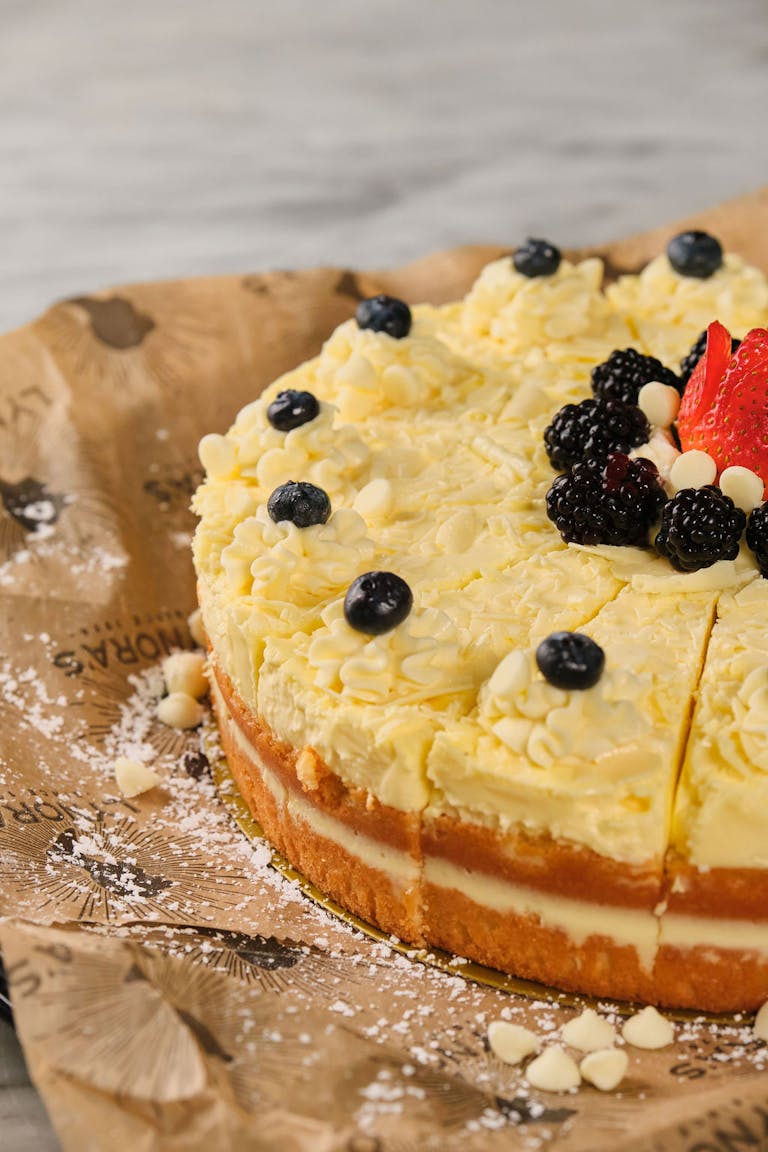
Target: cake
(482, 715)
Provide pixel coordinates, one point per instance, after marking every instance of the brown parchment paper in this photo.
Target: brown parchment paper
(172, 991)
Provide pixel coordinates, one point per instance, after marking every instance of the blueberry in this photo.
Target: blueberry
(695, 254)
(377, 602)
(384, 314)
(291, 409)
(537, 258)
(303, 504)
(570, 660)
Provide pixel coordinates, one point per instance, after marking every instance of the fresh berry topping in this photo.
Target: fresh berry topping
(377, 602)
(536, 258)
(606, 502)
(624, 373)
(291, 409)
(725, 407)
(592, 430)
(196, 764)
(757, 536)
(689, 362)
(570, 660)
(695, 254)
(700, 526)
(301, 503)
(384, 314)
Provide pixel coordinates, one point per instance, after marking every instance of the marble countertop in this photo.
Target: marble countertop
(143, 141)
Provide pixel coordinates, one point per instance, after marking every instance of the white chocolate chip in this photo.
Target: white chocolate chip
(180, 710)
(196, 629)
(659, 403)
(605, 1068)
(133, 778)
(553, 1071)
(218, 455)
(375, 499)
(511, 1042)
(185, 672)
(648, 1029)
(743, 486)
(760, 1026)
(588, 1032)
(692, 469)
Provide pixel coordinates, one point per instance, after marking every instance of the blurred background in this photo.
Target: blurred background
(155, 139)
(185, 137)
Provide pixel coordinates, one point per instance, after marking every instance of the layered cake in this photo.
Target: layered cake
(483, 589)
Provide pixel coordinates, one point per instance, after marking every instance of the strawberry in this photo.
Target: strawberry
(724, 410)
(701, 388)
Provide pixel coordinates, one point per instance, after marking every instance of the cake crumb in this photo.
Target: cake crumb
(307, 769)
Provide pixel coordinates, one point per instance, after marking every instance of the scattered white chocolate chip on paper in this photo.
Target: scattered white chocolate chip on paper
(760, 1026)
(180, 710)
(132, 777)
(659, 403)
(648, 1029)
(511, 1042)
(185, 672)
(588, 1032)
(605, 1068)
(196, 629)
(692, 469)
(743, 486)
(553, 1071)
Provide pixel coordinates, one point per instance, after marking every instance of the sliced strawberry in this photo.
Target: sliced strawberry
(701, 389)
(732, 425)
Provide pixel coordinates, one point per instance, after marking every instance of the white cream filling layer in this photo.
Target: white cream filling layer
(631, 926)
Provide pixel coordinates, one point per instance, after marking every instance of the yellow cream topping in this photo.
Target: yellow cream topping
(720, 819)
(430, 449)
(666, 311)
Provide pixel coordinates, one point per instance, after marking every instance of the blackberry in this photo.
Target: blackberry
(623, 374)
(757, 536)
(302, 503)
(570, 660)
(536, 258)
(700, 526)
(384, 314)
(606, 502)
(377, 602)
(592, 430)
(695, 254)
(689, 362)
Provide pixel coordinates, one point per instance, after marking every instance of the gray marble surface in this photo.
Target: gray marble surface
(159, 139)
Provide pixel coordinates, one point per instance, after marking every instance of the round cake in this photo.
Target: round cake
(483, 590)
